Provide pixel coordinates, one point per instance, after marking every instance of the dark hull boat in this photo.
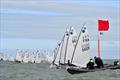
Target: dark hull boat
(74, 70)
(16, 61)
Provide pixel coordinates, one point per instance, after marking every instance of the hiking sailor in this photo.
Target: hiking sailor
(116, 63)
(68, 62)
(90, 64)
(99, 62)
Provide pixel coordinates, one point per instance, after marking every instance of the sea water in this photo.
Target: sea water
(29, 71)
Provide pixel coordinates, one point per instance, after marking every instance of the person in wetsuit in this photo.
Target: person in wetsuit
(90, 64)
(116, 63)
(99, 62)
(68, 62)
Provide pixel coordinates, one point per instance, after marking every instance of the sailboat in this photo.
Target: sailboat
(71, 42)
(56, 52)
(81, 55)
(19, 56)
(1, 56)
(26, 57)
(63, 52)
(33, 56)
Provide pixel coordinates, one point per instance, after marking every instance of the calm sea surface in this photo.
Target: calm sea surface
(22, 71)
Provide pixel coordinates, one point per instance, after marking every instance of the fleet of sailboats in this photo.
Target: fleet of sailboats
(73, 52)
(32, 57)
(64, 49)
(5, 57)
(73, 48)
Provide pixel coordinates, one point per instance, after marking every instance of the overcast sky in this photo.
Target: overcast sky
(40, 24)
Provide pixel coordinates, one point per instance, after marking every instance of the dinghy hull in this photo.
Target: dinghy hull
(74, 70)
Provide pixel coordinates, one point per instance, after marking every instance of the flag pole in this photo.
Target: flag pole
(99, 44)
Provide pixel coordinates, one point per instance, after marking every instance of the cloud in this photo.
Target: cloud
(55, 6)
(49, 19)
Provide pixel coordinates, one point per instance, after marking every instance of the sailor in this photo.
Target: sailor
(116, 63)
(68, 62)
(90, 64)
(99, 62)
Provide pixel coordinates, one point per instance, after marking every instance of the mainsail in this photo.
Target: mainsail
(56, 52)
(82, 49)
(38, 57)
(18, 56)
(71, 44)
(64, 47)
(26, 57)
(57, 57)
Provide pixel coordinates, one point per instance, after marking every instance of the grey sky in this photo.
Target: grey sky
(48, 19)
(36, 23)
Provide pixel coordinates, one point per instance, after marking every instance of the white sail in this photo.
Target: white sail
(31, 57)
(18, 56)
(55, 53)
(5, 57)
(57, 58)
(64, 47)
(26, 57)
(71, 44)
(43, 57)
(81, 55)
(49, 58)
(38, 57)
(1, 56)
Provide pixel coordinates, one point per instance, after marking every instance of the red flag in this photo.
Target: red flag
(103, 25)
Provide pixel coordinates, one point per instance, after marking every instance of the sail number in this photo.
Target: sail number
(85, 47)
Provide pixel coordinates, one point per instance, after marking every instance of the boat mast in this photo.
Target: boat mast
(66, 45)
(76, 44)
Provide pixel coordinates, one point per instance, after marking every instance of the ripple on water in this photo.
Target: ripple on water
(22, 71)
